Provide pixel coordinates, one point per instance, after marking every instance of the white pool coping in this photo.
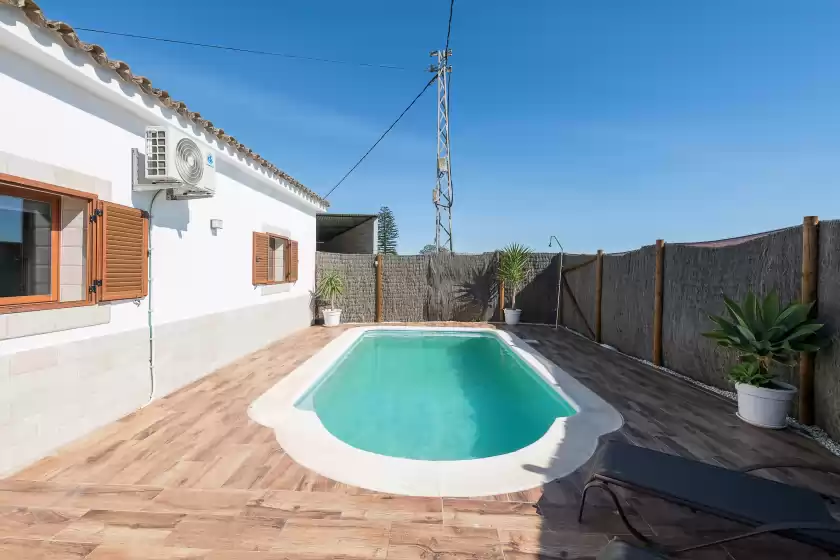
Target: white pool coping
(568, 443)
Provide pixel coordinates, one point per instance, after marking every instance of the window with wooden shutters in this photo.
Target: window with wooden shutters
(275, 259)
(260, 262)
(47, 245)
(293, 261)
(122, 234)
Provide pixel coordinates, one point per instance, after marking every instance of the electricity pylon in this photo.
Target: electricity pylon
(442, 194)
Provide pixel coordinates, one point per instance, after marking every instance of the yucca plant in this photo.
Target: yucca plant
(514, 264)
(762, 333)
(330, 286)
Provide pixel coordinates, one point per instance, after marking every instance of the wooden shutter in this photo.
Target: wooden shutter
(123, 239)
(260, 261)
(293, 261)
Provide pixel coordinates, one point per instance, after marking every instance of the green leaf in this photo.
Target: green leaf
(776, 333)
(804, 330)
(805, 347)
(750, 373)
(795, 314)
(770, 310)
(724, 325)
(514, 266)
(747, 334)
(762, 334)
(717, 335)
(734, 310)
(752, 315)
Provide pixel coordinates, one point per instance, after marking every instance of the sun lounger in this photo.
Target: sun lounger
(765, 506)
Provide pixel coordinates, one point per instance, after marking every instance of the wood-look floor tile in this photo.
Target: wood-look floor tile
(260, 534)
(201, 437)
(190, 500)
(549, 544)
(419, 542)
(286, 504)
(134, 473)
(24, 549)
(176, 476)
(115, 497)
(251, 555)
(222, 468)
(490, 514)
(31, 493)
(134, 519)
(96, 532)
(772, 547)
(28, 523)
(121, 552)
(44, 469)
(603, 519)
(256, 466)
(326, 537)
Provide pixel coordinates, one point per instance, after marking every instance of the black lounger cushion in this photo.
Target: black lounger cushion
(733, 495)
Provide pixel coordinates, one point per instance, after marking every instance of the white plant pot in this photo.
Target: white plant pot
(763, 406)
(512, 316)
(332, 317)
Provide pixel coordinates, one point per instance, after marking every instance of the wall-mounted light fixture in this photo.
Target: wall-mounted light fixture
(216, 224)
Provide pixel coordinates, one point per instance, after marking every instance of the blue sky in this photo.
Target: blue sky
(607, 123)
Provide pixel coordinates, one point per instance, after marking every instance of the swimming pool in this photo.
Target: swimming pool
(434, 411)
(434, 396)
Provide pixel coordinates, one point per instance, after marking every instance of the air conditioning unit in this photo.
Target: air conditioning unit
(176, 161)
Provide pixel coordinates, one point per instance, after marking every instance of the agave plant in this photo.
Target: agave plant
(514, 263)
(763, 333)
(330, 286)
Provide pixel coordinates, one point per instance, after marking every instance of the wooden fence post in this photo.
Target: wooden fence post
(559, 316)
(501, 301)
(810, 282)
(599, 282)
(657, 302)
(380, 296)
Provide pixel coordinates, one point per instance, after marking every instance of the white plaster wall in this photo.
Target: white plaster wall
(197, 271)
(59, 109)
(69, 123)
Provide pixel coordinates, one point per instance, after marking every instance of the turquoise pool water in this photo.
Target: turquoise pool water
(434, 395)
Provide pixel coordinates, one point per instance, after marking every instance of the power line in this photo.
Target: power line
(237, 49)
(449, 25)
(446, 50)
(393, 124)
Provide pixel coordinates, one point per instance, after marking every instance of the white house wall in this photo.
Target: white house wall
(64, 372)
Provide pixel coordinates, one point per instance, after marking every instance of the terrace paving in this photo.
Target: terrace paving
(192, 477)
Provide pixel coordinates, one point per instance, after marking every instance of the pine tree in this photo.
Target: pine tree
(387, 232)
(431, 248)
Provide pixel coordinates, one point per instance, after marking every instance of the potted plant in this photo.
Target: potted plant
(331, 286)
(514, 263)
(763, 334)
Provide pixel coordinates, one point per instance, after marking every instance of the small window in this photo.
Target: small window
(28, 246)
(275, 259)
(61, 247)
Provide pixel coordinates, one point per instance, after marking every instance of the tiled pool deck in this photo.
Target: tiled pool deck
(192, 477)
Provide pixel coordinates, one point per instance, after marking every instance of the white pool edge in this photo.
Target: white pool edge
(567, 444)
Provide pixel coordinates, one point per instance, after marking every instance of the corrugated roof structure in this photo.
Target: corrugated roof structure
(329, 226)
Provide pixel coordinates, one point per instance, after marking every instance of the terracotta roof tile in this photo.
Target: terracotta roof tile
(67, 34)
